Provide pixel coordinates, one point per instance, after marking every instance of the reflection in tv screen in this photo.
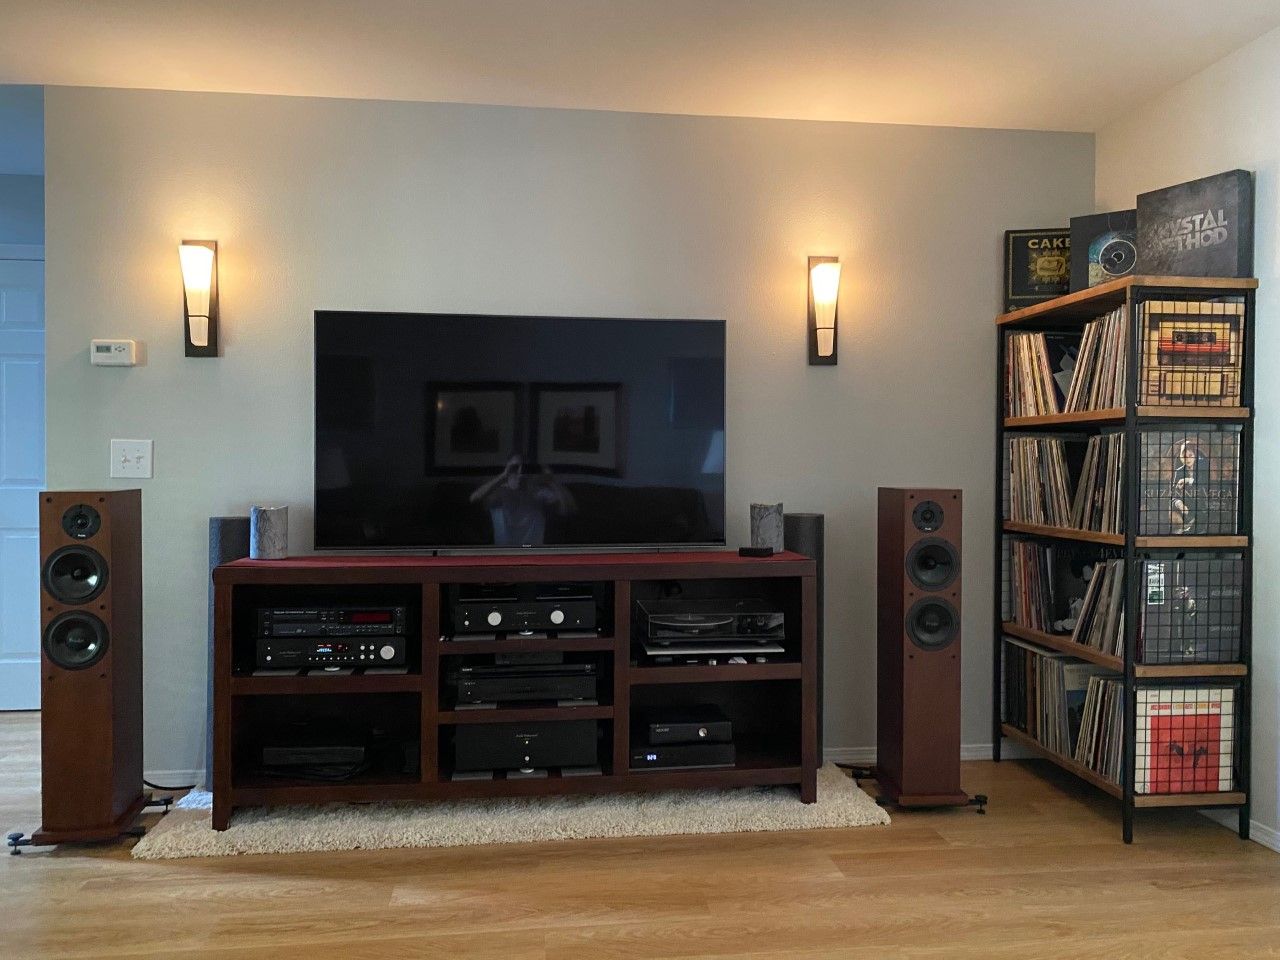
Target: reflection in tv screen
(447, 430)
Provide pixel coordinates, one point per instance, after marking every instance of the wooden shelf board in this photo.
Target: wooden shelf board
(1115, 415)
(353, 683)
(1095, 301)
(1156, 671)
(1110, 415)
(448, 648)
(1194, 413)
(1117, 539)
(1066, 763)
(1228, 799)
(1192, 543)
(1064, 645)
(525, 714)
(1064, 533)
(720, 673)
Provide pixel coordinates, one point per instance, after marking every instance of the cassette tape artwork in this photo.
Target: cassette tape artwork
(1193, 353)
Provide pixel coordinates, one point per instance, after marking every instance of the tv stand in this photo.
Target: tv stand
(773, 705)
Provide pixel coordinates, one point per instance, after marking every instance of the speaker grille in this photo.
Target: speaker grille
(932, 624)
(74, 574)
(81, 521)
(933, 563)
(75, 640)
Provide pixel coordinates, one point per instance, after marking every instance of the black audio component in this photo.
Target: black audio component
(521, 607)
(526, 746)
(358, 651)
(682, 756)
(338, 621)
(676, 620)
(486, 683)
(704, 723)
(331, 754)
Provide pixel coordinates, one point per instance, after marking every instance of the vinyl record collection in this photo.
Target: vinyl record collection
(1100, 370)
(1189, 481)
(1192, 610)
(1049, 373)
(1039, 482)
(1099, 499)
(1056, 590)
(1071, 708)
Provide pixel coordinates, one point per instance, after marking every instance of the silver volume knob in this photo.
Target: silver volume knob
(494, 618)
(387, 652)
(557, 617)
(702, 731)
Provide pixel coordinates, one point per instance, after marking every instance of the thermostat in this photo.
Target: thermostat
(113, 353)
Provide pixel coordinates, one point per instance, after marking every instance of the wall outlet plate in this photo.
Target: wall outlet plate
(113, 353)
(131, 459)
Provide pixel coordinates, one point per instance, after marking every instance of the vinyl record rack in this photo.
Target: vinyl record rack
(1179, 670)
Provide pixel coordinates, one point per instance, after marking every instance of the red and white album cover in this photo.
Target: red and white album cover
(1185, 740)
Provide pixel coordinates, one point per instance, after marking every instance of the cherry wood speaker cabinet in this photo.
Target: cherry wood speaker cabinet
(90, 664)
(918, 662)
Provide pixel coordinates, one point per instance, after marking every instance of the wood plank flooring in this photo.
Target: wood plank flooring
(1043, 875)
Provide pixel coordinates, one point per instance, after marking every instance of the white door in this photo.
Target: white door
(21, 475)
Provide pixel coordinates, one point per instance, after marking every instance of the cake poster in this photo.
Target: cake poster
(1037, 266)
(1203, 228)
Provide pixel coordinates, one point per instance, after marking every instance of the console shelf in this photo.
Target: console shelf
(778, 746)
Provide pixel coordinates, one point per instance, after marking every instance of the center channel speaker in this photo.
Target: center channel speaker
(90, 664)
(918, 647)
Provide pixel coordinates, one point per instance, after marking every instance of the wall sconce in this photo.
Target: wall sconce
(824, 292)
(200, 296)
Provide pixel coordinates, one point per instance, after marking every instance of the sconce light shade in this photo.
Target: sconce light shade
(824, 296)
(200, 296)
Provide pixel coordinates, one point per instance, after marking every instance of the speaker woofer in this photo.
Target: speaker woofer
(74, 574)
(81, 521)
(932, 563)
(928, 515)
(75, 640)
(932, 624)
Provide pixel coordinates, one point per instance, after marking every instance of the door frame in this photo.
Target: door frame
(21, 251)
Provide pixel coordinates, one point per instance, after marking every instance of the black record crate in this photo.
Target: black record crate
(1192, 608)
(1189, 481)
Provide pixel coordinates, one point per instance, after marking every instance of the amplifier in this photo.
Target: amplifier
(514, 608)
(496, 684)
(700, 724)
(331, 621)
(285, 652)
(682, 756)
(525, 746)
(675, 621)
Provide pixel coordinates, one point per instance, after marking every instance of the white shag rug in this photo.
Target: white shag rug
(186, 832)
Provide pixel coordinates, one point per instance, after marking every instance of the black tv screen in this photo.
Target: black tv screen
(459, 431)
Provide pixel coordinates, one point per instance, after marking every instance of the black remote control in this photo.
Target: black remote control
(755, 551)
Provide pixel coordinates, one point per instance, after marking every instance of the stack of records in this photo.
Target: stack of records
(1101, 622)
(1100, 746)
(1098, 383)
(1099, 500)
(1039, 369)
(1045, 695)
(1039, 482)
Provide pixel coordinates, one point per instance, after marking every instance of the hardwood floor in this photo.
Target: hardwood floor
(1043, 875)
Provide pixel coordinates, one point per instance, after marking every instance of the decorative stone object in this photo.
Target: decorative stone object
(269, 533)
(766, 525)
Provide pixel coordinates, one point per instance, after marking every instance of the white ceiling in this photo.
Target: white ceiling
(1038, 64)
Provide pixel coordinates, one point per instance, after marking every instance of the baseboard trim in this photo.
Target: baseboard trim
(1259, 833)
(865, 756)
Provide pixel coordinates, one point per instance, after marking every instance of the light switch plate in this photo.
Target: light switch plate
(131, 459)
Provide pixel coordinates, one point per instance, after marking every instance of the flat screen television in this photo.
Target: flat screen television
(458, 431)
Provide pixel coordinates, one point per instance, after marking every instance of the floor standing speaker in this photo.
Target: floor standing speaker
(804, 534)
(90, 664)
(918, 650)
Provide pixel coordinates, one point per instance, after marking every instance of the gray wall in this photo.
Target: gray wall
(21, 209)
(1221, 119)
(401, 206)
